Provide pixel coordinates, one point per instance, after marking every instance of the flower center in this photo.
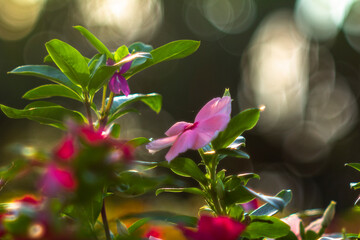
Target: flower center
(191, 127)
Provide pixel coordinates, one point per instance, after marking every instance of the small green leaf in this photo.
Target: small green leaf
(191, 190)
(134, 183)
(44, 113)
(169, 217)
(97, 61)
(355, 185)
(138, 224)
(236, 193)
(120, 53)
(138, 141)
(354, 165)
(187, 168)
(268, 209)
(173, 50)
(70, 61)
(94, 41)
(245, 177)
(121, 113)
(115, 130)
(233, 153)
(100, 77)
(47, 72)
(153, 100)
(265, 226)
(245, 120)
(139, 47)
(51, 90)
(276, 202)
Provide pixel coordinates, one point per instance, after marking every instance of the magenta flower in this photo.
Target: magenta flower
(118, 83)
(210, 120)
(57, 181)
(215, 228)
(66, 149)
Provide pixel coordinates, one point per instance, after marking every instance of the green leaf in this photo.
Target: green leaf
(100, 77)
(276, 202)
(134, 183)
(265, 226)
(139, 47)
(97, 61)
(235, 192)
(187, 168)
(233, 153)
(121, 113)
(169, 217)
(268, 209)
(47, 72)
(94, 41)
(245, 120)
(191, 190)
(115, 130)
(173, 50)
(355, 185)
(354, 165)
(44, 113)
(70, 61)
(138, 141)
(52, 90)
(245, 177)
(120, 53)
(138, 224)
(153, 100)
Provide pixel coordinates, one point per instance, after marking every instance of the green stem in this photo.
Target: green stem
(105, 113)
(88, 108)
(105, 221)
(103, 99)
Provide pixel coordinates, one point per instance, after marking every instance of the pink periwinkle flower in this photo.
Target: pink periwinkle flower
(215, 228)
(154, 234)
(250, 206)
(66, 150)
(57, 180)
(210, 120)
(118, 82)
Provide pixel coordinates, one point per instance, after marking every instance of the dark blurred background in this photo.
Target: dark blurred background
(298, 58)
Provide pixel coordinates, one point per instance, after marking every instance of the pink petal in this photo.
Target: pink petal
(294, 222)
(124, 86)
(183, 142)
(114, 84)
(124, 68)
(66, 149)
(177, 128)
(56, 180)
(214, 107)
(161, 143)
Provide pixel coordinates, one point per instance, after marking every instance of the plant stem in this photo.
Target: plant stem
(105, 113)
(103, 99)
(88, 109)
(105, 221)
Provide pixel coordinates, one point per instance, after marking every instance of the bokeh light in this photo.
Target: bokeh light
(18, 17)
(121, 20)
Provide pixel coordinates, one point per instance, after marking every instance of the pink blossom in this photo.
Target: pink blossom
(215, 228)
(66, 149)
(250, 206)
(118, 82)
(56, 180)
(210, 120)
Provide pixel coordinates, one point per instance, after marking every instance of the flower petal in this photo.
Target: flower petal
(183, 142)
(124, 68)
(114, 84)
(177, 128)
(124, 86)
(161, 143)
(214, 107)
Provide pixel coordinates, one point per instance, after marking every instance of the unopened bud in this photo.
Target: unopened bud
(329, 214)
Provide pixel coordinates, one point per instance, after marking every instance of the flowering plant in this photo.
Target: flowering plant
(91, 162)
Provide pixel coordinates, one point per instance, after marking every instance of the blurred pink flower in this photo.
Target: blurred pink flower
(215, 228)
(56, 180)
(210, 120)
(250, 206)
(66, 149)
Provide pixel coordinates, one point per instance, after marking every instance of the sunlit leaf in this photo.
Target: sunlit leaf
(191, 190)
(51, 90)
(265, 226)
(94, 41)
(70, 61)
(245, 120)
(268, 209)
